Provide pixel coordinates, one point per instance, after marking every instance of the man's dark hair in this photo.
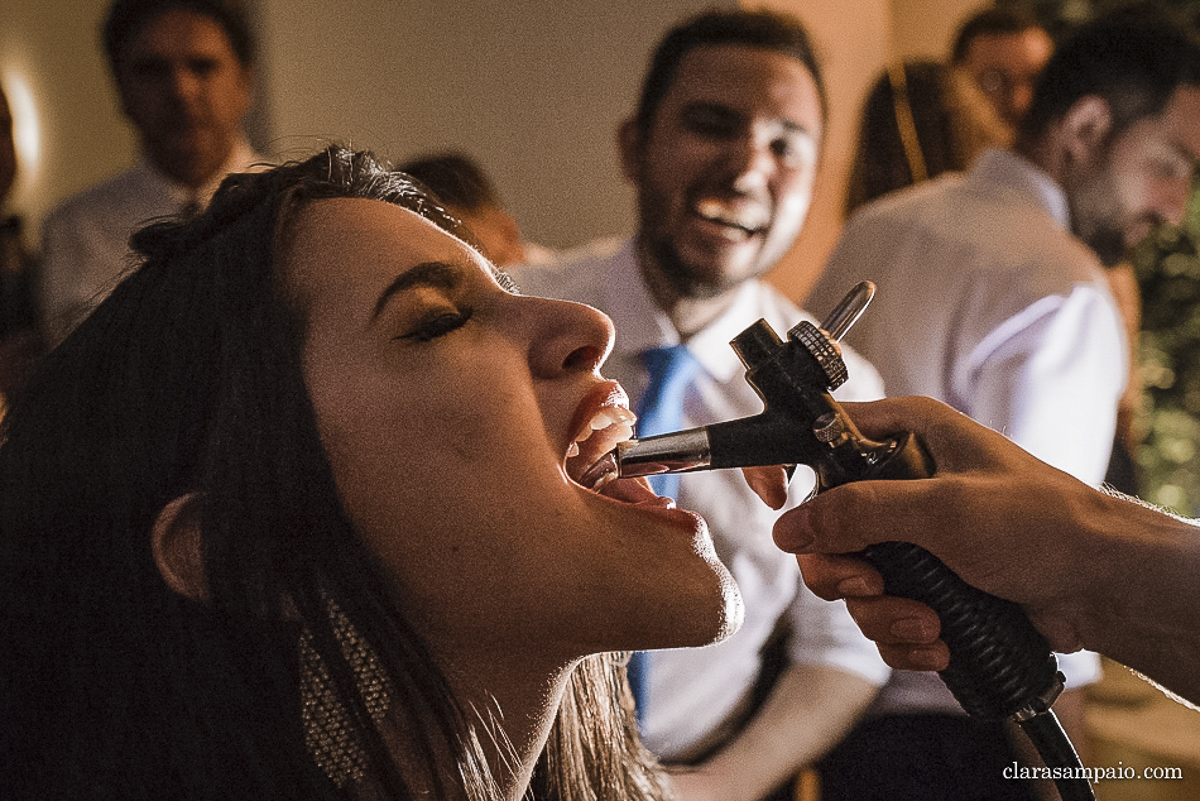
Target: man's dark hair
(990, 22)
(1135, 62)
(762, 29)
(127, 18)
(455, 179)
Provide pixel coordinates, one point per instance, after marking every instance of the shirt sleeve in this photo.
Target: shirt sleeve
(1050, 379)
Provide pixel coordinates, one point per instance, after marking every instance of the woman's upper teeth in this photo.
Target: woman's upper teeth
(615, 424)
(610, 416)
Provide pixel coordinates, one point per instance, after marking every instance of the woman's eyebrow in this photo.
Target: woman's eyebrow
(437, 274)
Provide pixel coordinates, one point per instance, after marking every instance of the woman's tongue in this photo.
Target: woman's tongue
(632, 490)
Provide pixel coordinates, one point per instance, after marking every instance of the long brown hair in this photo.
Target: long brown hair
(920, 119)
(187, 380)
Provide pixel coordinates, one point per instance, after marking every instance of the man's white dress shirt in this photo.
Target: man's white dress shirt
(85, 240)
(988, 302)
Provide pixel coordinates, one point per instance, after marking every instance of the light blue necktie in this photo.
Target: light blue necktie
(660, 411)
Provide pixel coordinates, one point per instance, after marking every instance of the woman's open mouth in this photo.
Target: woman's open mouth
(591, 462)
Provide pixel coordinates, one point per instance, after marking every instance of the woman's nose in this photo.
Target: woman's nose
(568, 337)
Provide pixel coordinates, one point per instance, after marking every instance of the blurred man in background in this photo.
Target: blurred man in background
(184, 73)
(1004, 50)
(723, 151)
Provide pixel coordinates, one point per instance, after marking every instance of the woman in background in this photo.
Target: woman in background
(920, 119)
(304, 510)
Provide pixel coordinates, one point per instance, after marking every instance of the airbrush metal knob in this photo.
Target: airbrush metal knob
(822, 342)
(824, 350)
(830, 429)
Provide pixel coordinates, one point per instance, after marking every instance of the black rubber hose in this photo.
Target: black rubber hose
(1052, 743)
(1001, 667)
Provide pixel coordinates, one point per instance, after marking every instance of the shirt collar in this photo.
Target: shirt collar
(710, 345)
(1018, 174)
(240, 159)
(641, 324)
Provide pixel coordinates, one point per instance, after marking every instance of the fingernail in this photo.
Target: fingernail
(928, 658)
(792, 533)
(853, 587)
(772, 492)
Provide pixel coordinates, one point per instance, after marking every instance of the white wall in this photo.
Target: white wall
(533, 89)
(926, 28)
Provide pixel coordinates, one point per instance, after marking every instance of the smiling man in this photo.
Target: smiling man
(723, 151)
(184, 74)
(993, 298)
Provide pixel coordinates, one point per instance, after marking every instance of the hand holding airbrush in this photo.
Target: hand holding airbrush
(1000, 665)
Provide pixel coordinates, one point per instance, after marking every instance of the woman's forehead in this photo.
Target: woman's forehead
(341, 241)
(338, 223)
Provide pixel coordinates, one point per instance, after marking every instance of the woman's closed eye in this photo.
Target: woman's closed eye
(437, 323)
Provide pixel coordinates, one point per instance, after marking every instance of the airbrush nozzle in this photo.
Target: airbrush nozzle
(668, 453)
(839, 321)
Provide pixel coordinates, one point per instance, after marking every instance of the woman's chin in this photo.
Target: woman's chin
(678, 592)
(727, 610)
(729, 613)
(712, 614)
(734, 613)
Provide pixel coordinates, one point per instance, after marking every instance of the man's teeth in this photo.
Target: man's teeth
(725, 214)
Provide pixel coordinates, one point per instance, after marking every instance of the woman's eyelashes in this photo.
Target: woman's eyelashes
(436, 324)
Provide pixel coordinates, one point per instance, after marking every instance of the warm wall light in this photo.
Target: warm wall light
(27, 128)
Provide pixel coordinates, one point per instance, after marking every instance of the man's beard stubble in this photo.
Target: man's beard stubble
(680, 275)
(1108, 243)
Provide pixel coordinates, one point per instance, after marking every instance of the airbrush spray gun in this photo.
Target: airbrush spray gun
(1001, 667)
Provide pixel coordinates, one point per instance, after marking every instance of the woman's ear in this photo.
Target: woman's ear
(178, 550)
(1085, 128)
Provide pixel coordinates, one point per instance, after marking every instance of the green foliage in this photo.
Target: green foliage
(1168, 271)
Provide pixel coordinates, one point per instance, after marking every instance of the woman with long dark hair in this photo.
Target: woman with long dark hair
(297, 512)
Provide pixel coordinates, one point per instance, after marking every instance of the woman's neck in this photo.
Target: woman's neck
(508, 711)
(513, 711)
